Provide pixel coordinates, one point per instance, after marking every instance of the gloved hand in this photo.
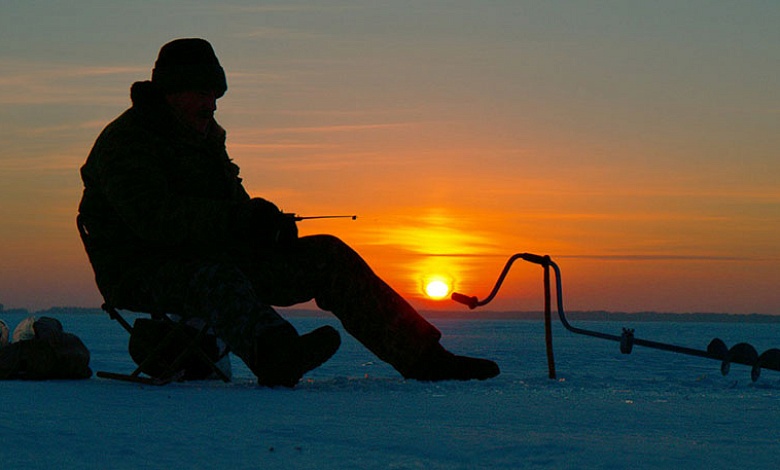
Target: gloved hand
(268, 227)
(287, 232)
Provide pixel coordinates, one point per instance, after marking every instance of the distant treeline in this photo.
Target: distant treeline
(596, 315)
(600, 315)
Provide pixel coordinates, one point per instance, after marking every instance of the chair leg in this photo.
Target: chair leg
(173, 372)
(194, 348)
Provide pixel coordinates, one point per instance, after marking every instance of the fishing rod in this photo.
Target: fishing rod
(742, 353)
(298, 218)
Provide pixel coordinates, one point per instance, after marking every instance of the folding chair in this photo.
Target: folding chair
(168, 350)
(177, 352)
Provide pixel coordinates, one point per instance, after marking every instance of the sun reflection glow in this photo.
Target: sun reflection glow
(433, 253)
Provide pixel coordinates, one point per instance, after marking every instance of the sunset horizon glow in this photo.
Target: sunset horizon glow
(635, 143)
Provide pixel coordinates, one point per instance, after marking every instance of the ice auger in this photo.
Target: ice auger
(742, 353)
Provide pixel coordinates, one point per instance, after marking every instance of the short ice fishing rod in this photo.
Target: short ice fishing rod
(742, 353)
(299, 218)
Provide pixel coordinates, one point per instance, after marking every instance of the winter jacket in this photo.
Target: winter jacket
(156, 189)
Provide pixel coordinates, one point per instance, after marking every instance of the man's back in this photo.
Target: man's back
(155, 188)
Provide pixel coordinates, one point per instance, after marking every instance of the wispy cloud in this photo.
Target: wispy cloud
(333, 128)
(34, 83)
(279, 146)
(65, 128)
(632, 257)
(623, 217)
(433, 233)
(277, 8)
(278, 33)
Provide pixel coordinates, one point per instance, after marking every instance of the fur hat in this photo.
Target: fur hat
(188, 64)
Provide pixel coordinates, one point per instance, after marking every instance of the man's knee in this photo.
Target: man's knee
(327, 248)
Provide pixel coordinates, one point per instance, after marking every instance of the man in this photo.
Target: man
(171, 228)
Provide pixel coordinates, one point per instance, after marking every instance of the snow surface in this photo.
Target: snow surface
(650, 409)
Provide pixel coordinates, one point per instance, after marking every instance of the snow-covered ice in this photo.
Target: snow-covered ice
(650, 409)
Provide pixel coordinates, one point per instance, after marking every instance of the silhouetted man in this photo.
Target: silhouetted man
(172, 229)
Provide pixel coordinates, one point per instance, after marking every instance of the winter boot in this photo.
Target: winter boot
(440, 364)
(282, 357)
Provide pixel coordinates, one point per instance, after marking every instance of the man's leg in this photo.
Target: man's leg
(223, 296)
(327, 270)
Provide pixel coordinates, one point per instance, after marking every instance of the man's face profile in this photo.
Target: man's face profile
(195, 108)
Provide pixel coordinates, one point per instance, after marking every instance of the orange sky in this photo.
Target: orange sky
(635, 143)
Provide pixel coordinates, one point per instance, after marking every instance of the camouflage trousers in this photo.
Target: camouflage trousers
(236, 298)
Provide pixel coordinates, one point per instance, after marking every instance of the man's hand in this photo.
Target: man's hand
(267, 227)
(287, 230)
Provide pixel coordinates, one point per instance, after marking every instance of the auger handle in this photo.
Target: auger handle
(472, 302)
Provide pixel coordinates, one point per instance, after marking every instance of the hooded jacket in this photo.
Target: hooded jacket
(155, 189)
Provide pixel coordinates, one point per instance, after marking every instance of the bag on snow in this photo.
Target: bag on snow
(50, 353)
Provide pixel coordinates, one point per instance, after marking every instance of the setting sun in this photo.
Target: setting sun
(437, 289)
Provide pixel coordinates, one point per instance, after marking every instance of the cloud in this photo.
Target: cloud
(618, 216)
(35, 83)
(278, 8)
(630, 257)
(65, 128)
(338, 128)
(434, 234)
(278, 33)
